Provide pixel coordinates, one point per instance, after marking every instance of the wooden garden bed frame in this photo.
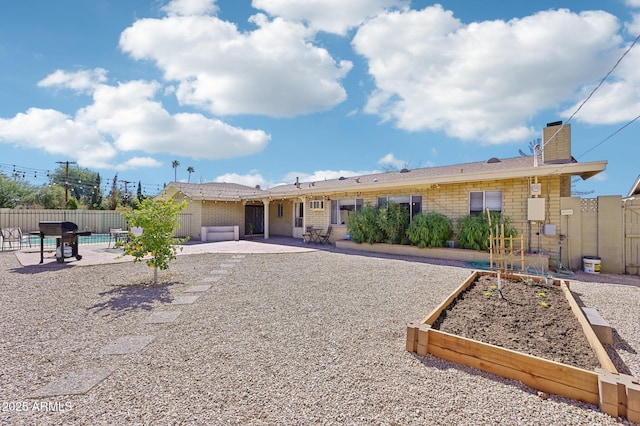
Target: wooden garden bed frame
(616, 394)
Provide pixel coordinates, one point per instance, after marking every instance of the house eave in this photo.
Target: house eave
(584, 170)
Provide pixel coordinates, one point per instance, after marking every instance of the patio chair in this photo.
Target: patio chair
(117, 234)
(306, 237)
(11, 236)
(324, 238)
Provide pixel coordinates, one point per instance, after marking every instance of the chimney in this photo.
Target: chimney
(556, 143)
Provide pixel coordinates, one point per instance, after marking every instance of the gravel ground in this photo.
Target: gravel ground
(292, 338)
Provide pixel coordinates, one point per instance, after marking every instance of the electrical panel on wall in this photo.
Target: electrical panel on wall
(536, 189)
(535, 209)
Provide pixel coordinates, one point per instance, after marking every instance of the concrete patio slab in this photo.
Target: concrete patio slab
(74, 383)
(162, 317)
(127, 345)
(197, 288)
(184, 300)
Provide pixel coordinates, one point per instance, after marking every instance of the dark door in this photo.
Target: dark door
(253, 220)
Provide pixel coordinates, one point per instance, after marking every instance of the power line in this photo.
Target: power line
(43, 177)
(594, 91)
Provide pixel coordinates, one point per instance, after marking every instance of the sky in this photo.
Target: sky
(261, 92)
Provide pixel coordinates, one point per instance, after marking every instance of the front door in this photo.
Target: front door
(253, 219)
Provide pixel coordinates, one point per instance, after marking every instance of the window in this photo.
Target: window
(280, 210)
(341, 209)
(479, 201)
(412, 203)
(316, 204)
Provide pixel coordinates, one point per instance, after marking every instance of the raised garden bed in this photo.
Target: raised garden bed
(536, 334)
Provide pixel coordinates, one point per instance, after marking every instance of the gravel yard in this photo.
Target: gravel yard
(289, 338)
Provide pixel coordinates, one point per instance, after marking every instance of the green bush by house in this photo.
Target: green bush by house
(429, 230)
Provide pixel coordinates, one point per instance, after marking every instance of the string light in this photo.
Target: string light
(41, 177)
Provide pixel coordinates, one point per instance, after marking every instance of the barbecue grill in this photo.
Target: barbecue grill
(66, 235)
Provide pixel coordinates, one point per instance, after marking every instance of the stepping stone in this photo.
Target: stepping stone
(127, 345)
(74, 383)
(234, 260)
(162, 317)
(238, 256)
(228, 265)
(198, 288)
(184, 300)
(213, 279)
(219, 271)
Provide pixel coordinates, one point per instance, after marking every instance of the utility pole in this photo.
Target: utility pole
(126, 191)
(66, 181)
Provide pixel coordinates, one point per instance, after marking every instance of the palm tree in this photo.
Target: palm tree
(190, 170)
(175, 164)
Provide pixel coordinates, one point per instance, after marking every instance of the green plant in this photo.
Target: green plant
(474, 230)
(393, 221)
(429, 230)
(156, 244)
(363, 227)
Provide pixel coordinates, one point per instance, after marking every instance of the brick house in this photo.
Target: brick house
(526, 189)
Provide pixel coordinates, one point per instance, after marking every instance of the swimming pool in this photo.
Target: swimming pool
(34, 240)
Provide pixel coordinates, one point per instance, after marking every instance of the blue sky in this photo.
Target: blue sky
(261, 92)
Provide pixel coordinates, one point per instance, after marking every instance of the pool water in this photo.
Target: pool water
(34, 240)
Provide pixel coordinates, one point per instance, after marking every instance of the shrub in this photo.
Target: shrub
(393, 221)
(429, 230)
(474, 232)
(363, 227)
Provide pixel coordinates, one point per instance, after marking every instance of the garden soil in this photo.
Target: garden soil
(531, 318)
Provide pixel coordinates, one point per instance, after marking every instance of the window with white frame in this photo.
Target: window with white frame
(341, 209)
(479, 201)
(316, 204)
(280, 210)
(411, 203)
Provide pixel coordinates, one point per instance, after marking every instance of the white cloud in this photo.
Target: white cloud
(274, 70)
(138, 163)
(251, 179)
(633, 3)
(138, 123)
(390, 161)
(190, 7)
(333, 16)
(484, 80)
(79, 81)
(633, 27)
(126, 118)
(617, 100)
(57, 133)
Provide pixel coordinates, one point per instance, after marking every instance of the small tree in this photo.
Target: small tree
(156, 245)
